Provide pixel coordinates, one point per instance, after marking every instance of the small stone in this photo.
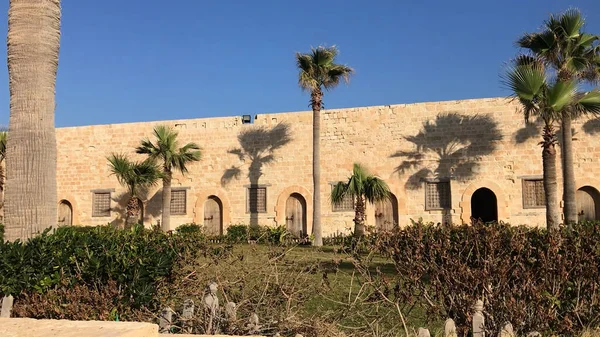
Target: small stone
(507, 331)
(230, 312)
(422, 332)
(188, 309)
(7, 305)
(450, 328)
(166, 318)
(478, 320)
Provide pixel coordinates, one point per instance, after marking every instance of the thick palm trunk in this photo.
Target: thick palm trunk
(359, 217)
(568, 171)
(166, 201)
(2, 191)
(33, 45)
(132, 211)
(550, 178)
(317, 103)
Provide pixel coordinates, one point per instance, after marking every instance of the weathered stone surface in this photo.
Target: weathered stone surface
(506, 331)
(188, 309)
(450, 328)
(370, 134)
(27, 327)
(7, 305)
(422, 332)
(166, 319)
(478, 320)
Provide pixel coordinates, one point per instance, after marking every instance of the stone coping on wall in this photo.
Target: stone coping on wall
(29, 327)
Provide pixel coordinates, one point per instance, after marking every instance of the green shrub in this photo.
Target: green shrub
(538, 280)
(190, 228)
(135, 259)
(1, 232)
(237, 234)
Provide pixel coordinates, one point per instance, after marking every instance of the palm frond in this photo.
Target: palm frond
(525, 81)
(318, 69)
(570, 23)
(589, 103)
(3, 137)
(376, 189)
(338, 193)
(560, 95)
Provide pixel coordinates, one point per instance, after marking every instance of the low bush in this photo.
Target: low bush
(135, 259)
(237, 234)
(1, 232)
(537, 280)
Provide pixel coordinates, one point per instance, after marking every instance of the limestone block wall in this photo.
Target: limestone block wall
(473, 143)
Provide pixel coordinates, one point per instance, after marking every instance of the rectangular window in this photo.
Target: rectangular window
(347, 205)
(101, 204)
(178, 202)
(437, 195)
(533, 193)
(256, 200)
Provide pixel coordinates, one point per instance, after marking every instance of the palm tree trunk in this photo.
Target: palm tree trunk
(2, 191)
(359, 217)
(166, 201)
(33, 46)
(550, 177)
(568, 171)
(317, 103)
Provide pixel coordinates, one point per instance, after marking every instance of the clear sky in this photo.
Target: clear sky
(139, 60)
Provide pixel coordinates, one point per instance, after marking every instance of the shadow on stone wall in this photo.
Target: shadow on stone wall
(592, 126)
(258, 146)
(451, 147)
(151, 209)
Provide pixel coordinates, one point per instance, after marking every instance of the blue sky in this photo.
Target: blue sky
(138, 60)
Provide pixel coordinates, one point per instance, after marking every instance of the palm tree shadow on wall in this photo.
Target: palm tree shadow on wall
(449, 147)
(119, 205)
(258, 147)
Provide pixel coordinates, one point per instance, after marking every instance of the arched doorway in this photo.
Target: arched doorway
(386, 214)
(65, 213)
(588, 202)
(484, 205)
(213, 216)
(295, 214)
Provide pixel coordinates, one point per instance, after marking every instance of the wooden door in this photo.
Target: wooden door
(213, 211)
(295, 215)
(65, 214)
(586, 204)
(386, 214)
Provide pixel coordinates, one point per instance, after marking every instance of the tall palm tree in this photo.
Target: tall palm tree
(136, 176)
(574, 56)
(362, 187)
(166, 150)
(318, 71)
(547, 99)
(32, 47)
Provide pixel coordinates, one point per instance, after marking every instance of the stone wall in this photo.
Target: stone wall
(473, 143)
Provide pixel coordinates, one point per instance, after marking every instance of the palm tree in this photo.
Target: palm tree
(319, 71)
(574, 56)
(547, 99)
(166, 150)
(362, 187)
(32, 48)
(136, 177)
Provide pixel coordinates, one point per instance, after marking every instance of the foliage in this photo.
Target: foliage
(80, 302)
(1, 232)
(237, 234)
(136, 259)
(538, 280)
(134, 175)
(319, 70)
(166, 150)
